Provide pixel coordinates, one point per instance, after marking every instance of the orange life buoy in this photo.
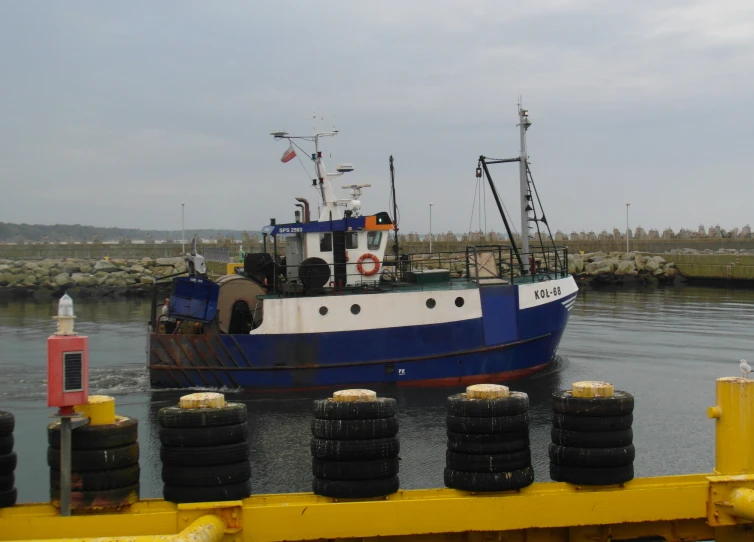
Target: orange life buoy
(375, 260)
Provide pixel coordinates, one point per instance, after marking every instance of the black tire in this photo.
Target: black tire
(355, 450)
(6, 444)
(8, 463)
(8, 498)
(591, 424)
(95, 460)
(501, 447)
(215, 475)
(592, 457)
(7, 481)
(228, 492)
(460, 405)
(97, 437)
(522, 434)
(182, 437)
(230, 414)
(355, 470)
(592, 477)
(607, 439)
(99, 480)
(355, 429)
(488, 462)
(7, 423)
(203, 456)
(108, 499)
(498, 424)
(486, 481)
(355, 489)
(327, 409)
(620, 404)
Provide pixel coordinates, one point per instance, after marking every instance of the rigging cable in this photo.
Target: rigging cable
(484, 189)
(481, 187)
(549, 232)
(473, 206)
(299, 159)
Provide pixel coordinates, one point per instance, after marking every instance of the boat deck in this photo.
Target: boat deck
(394, 287)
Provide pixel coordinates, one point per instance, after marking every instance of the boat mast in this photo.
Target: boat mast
(329, 209)
(395, 205)
(524, 123)
(329, 203)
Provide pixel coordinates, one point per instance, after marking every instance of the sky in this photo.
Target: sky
(115, 113)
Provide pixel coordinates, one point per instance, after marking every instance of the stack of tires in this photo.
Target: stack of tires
(205, 453)
(488, 440)
(355, 446)
(7, 461)
(104, 464)
(592, 439)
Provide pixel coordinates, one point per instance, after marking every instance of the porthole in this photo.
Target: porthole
(355, 309)
(431, 303)
(323, 310)
(459, 302)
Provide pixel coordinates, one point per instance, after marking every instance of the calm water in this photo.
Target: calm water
(665, 346)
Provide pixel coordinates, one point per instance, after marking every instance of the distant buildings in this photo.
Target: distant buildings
(253, 239)
(714, 232)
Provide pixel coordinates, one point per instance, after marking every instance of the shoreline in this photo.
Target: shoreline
(119, 278)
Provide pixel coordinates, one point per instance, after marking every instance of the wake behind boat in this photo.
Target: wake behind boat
(335, 310)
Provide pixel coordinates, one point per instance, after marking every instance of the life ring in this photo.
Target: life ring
(375, 260)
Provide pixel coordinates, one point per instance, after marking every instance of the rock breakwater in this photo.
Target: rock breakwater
(118, 277)
(47, 278)
(617, 267)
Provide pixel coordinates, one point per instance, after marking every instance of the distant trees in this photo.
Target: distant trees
(11, 233)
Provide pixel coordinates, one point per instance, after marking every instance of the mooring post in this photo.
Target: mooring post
(731, 499)
(734, 425)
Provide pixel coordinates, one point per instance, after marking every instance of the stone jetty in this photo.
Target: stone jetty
(617, 267)
(119, 277)
(44, 278)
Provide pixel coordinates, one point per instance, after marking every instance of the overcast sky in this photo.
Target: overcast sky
(113, 113)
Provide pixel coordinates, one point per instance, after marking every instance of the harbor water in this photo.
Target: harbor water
(664, 345)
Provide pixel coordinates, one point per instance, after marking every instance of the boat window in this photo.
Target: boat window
(352, 240)
(373, 240)
(325, 242)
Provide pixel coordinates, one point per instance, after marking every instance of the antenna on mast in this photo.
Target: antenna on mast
(395, 205)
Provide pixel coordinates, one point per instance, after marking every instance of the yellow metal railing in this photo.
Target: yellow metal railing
(685, 508)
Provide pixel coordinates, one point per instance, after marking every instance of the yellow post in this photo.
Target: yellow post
(734, 425)
(100, 410)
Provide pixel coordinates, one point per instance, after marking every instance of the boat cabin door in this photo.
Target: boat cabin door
(294, 255)
(339, 258)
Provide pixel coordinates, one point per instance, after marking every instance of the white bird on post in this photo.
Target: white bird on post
(745, 368)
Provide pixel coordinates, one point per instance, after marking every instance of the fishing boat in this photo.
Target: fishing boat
(327, 304)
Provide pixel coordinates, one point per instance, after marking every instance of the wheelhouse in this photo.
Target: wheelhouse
(350, 251)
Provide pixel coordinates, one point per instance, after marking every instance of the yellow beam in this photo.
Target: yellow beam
(547, 505)
(207, 528)
(438, 513)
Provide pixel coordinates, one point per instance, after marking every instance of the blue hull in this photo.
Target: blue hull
(503, 344)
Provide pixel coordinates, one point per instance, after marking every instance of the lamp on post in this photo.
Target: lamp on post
(430, 226)
(628, 232)
(183, 229)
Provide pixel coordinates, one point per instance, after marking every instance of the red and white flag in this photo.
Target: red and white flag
(289, 155)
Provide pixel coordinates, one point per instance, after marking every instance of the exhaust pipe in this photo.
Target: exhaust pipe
(307, 216)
